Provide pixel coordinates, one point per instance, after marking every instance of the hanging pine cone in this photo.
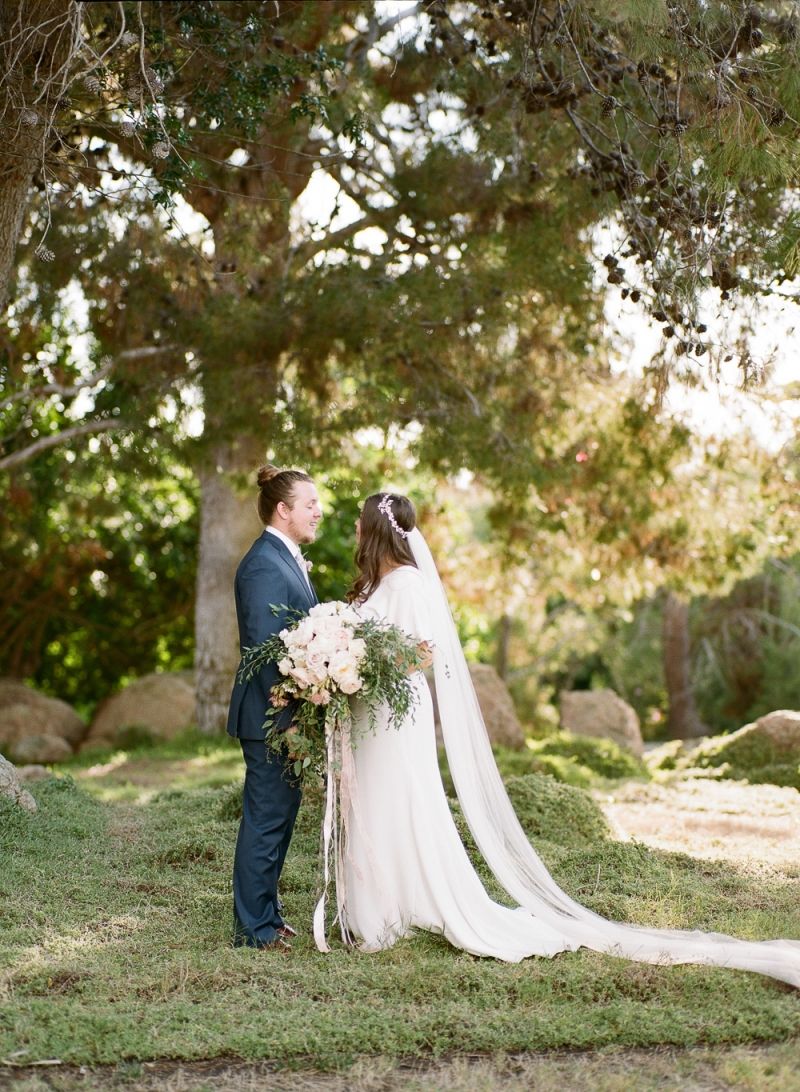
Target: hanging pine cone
(93, 84)
(610, 104)
(161, 149)
(44, 254)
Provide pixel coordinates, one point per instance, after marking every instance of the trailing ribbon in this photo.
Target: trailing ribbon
(339, 800)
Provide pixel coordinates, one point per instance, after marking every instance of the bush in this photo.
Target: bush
(602, 756)
(555, 812)
(574, 760)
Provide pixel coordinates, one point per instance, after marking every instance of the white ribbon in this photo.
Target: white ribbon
(339, 800)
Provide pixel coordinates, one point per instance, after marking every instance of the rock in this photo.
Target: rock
(766, 751)
(33, 773)
(25, 712)
(601, 713)
(160, 705)
(496, 705)
(11, 789)
(780, 728)
(40, 749)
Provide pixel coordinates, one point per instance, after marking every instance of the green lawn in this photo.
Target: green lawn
(115, 912)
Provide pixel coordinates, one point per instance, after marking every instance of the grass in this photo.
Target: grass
(114, 947)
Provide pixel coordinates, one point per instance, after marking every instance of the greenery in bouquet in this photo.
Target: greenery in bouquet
(327, 658)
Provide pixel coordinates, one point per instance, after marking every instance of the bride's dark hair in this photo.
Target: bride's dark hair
(380, 544)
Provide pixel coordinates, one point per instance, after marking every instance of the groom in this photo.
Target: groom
(273, 571)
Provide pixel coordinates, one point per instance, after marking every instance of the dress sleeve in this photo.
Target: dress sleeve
(409, 609)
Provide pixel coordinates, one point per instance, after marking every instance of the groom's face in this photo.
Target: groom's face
(305, 514)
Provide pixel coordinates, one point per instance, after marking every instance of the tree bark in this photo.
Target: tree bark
(683, 719)
(228, 525)
(503, 637)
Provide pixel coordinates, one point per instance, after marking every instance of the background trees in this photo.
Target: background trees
(471, 154)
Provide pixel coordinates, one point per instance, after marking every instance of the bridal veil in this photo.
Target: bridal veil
(505, 846)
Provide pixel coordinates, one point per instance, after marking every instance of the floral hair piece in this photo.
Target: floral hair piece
(385, 508)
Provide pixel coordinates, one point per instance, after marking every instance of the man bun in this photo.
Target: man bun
(266, 473)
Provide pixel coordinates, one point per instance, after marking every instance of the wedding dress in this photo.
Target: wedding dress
(404, 866)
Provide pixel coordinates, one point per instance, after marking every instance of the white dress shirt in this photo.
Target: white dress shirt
(294, 550)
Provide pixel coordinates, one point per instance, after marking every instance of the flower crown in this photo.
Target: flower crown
(385, 508)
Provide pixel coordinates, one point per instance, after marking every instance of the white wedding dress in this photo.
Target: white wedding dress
(404, 866)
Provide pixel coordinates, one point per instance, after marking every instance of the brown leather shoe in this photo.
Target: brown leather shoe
(280, 943)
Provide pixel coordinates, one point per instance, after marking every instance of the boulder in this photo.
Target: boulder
(781, 729)
(603, 714)
(33, 773)
(496, 705)
(161, 705)
(34, 749)
(24, 712)
(11, 789)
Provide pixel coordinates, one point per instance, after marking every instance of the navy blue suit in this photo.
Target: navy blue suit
(268, 574)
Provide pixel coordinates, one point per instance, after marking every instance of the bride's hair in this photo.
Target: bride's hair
(380, 543)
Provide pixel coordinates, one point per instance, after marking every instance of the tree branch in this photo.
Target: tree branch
(25, 454)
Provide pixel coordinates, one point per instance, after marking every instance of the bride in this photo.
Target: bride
(405, 867)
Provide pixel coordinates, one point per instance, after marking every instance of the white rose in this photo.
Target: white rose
(322, 610)
(344, 672)
(358, 648)
(285, 665)
(317, 666)
(301, 677)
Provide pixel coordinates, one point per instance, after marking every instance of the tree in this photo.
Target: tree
(235, 106)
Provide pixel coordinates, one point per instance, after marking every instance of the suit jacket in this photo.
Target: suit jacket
(268, 574)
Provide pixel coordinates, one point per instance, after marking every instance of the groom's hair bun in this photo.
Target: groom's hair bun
(266, 474)
(276, 485)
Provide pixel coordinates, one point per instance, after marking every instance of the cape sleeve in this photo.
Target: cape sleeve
(409, 609)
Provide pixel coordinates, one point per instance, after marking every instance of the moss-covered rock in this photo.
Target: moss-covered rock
(765, 752)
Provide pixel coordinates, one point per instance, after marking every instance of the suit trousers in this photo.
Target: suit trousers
(269, 809)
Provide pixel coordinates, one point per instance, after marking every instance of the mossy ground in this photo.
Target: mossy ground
(114, 948)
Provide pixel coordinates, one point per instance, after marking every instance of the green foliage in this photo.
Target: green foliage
(750, 756)
(579, 761)
(748, 647)
(104, 552)
(556, 812)
(602, 756)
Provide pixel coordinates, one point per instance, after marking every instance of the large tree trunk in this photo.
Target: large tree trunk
(228, 524)
(683, 721)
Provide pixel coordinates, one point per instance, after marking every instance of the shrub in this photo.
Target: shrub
(602, 756)
(558, 813)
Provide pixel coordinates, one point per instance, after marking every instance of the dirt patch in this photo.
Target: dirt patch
(666, 1070)
(718, 820)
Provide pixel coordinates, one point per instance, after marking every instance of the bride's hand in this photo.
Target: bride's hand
(425, 649)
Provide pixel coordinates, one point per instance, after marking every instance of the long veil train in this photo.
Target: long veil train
(505, 846)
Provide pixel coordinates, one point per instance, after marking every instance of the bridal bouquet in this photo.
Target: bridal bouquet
(325, 657)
